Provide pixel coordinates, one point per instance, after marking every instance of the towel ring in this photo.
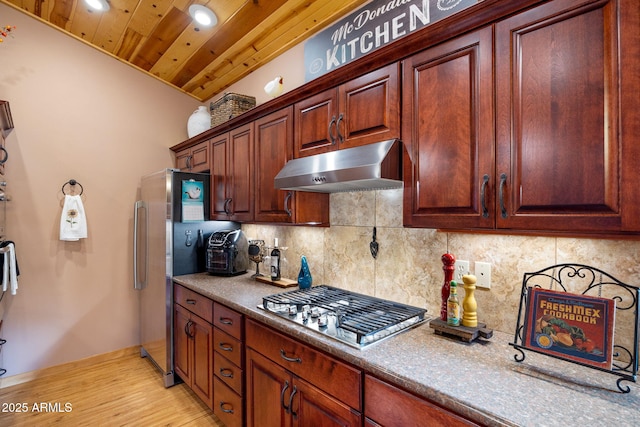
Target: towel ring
(72, 182)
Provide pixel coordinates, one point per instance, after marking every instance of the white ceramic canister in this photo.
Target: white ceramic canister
(199, 121)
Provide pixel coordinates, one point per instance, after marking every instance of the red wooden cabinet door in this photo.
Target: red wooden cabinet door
(274, 147)
(240, 182)
(448, 134)
(558, 147)
(219, 177)
(369, 108)
(269, 387)
(315, 121)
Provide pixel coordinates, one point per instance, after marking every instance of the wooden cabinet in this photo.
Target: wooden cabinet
(558, 118)
(194, 159)
(193, 342)
(289, 383)
(361, 111)
(387, 405)
(449, 143)
(555, 160)
(273, 149)
(232, 187)
(228, 384)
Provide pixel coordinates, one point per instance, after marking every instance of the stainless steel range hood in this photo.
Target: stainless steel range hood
(375, 166)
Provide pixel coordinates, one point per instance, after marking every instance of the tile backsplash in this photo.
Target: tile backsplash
(408, 268)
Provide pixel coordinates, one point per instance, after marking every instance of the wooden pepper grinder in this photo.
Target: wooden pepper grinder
(469, 305)
(448, 261)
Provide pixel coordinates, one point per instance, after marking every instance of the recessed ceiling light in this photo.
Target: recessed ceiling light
(202, 15)
(100, 5)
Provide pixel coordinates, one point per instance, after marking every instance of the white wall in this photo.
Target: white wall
(79, 114)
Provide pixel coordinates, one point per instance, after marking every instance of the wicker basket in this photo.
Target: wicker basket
(230, 106)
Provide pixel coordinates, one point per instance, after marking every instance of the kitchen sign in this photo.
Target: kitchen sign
(371, 27)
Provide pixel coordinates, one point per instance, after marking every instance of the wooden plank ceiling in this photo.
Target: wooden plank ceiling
(159, 37)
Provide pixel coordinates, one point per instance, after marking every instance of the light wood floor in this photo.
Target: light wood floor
(120, 390)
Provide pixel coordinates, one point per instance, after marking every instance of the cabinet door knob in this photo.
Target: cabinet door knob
(226, 321)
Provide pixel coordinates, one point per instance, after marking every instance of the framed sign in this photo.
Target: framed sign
(371, 27)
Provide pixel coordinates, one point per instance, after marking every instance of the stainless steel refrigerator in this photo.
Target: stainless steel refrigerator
(168, 219)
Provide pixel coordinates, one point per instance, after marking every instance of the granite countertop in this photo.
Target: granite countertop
(479, 380)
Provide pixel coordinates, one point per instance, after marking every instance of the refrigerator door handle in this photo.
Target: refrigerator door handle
(137, 284)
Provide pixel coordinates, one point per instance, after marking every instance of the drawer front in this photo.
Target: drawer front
(193, 301)
(328, 374)
(228, 372)
(228, 320)
(227, 346)
(388, 405)
(227, 405)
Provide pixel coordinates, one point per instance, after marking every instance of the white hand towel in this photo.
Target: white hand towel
(73, 222)
(9, 269)
(5, 271)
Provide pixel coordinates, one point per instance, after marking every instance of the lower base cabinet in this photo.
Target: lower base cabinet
(280, 373)
(193, 352)
(387, 405)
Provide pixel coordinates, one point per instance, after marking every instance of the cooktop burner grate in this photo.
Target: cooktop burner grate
(350, 317)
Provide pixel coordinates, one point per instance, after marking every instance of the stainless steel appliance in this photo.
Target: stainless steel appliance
(166, 245)
(374, 166)
(227, 253)
(355, 319)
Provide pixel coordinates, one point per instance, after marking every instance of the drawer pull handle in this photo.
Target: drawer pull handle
(225, 347)
(191, 301)
(223, 409)
(293, 393)
(227, 373)
(284, 388)
(226, 321)
(283, 354)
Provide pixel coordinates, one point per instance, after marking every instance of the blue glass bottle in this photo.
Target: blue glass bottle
(304, 277)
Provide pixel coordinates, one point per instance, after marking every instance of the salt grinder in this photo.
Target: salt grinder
(469, 305)
(448, 261)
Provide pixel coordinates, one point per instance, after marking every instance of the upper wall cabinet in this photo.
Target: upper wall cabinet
(558, 161)
(194, 159)
(359, 112)
(273, 149)
(558, 118)
(232, 175)
(448, 134)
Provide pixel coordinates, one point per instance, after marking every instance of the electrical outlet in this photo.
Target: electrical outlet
(461, 268)
(483, 274)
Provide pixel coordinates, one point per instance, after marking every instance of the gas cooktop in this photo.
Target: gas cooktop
(355, 319)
